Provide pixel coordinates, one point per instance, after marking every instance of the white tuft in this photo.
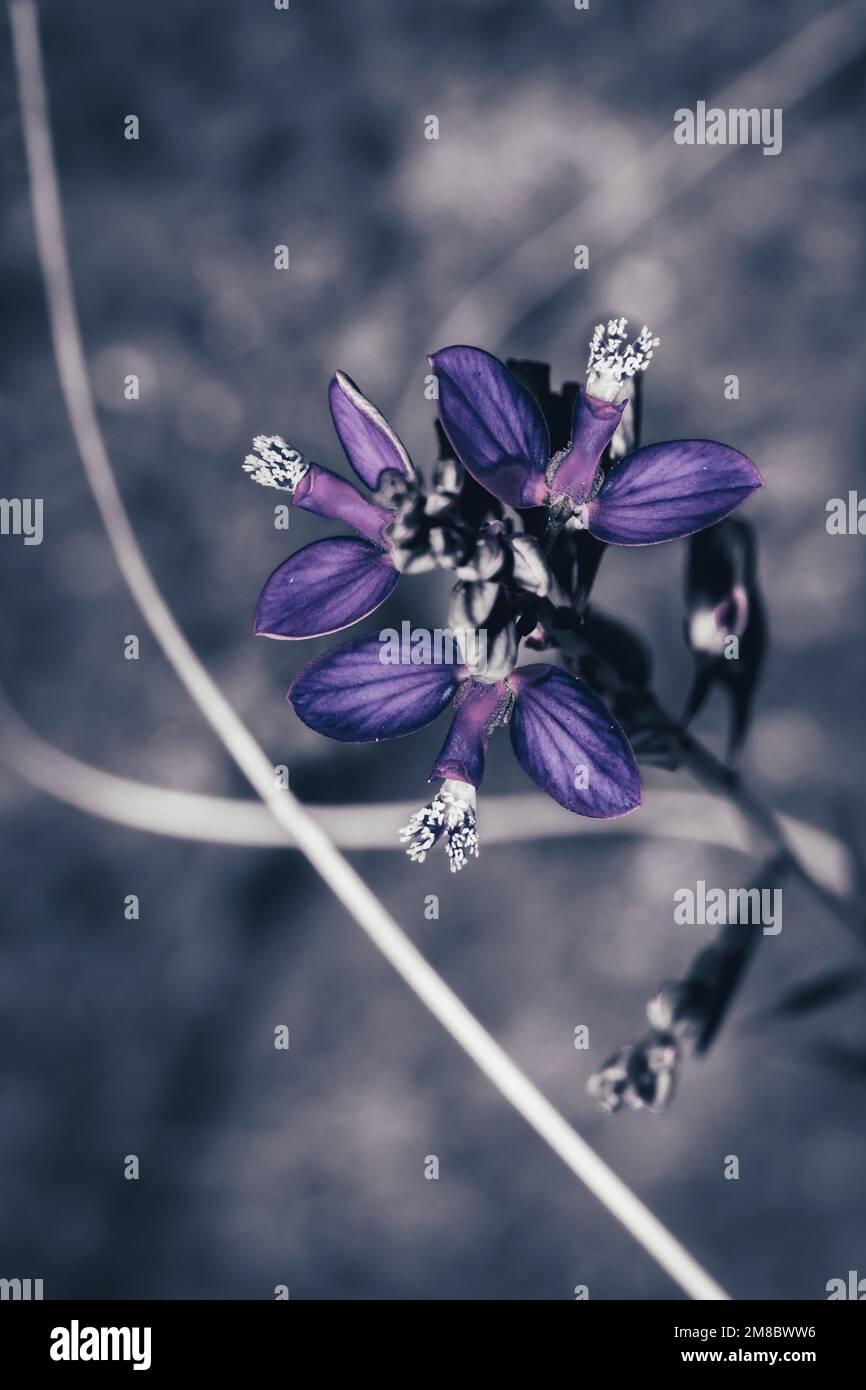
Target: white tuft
(274, 463)
(451, 814)
(613, 359)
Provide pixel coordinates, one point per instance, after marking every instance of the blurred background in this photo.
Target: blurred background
(154, 1037)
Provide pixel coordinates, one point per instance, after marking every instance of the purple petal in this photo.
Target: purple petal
(667, 491)
(370, 443)
(353, 695)
(465, 748)
(325, 587)
(495, 426)
(329, 495)
(593, 424)
(571, 745)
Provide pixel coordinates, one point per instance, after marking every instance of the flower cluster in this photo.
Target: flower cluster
(519, 510)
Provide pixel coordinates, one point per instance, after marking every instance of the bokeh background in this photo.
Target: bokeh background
(155, 1037)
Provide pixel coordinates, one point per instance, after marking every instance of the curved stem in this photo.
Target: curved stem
(693, 817)
(769, 829)
(766, 827)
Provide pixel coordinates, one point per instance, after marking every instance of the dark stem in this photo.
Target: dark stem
(566, 629)
(727, 782)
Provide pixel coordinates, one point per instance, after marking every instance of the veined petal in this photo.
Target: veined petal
(358, 694)
(593, 425)
(570, 743)
(666, 491)
(329, 495)
(464, 750)
(369, 441)
(325, 587)
(495, 425)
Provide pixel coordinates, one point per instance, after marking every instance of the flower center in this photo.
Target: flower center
(613, 359)
(450, 815)
(274, 463)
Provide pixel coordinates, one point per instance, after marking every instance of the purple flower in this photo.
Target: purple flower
(563, 735)
(333, 583)
(658, 493)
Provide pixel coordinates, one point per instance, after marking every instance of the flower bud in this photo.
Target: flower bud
(678, 1007)
(437, 503)
(393, 488)
(486, 560)
(401, 531)
(725, 624)
(448, 477)
(448, 547)
(471, 604)
(529, 566)
(412, 559)
(641, 1075)
(496, 657)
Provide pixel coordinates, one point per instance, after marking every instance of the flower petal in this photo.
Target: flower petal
(593, 424)
(325, 587)
(571, 745)
(464, 750)
(327, 494)
(667, 491)
(495, 426)
(370, 443)
(357, 695)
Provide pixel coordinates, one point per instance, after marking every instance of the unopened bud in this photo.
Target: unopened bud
(412, 559)
(448, 476)
(447, 547)
(401, 531)
(529, 566)
(500, 655)
(486, 560)
(641, 1075)
(471, 604)
(393, 487)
